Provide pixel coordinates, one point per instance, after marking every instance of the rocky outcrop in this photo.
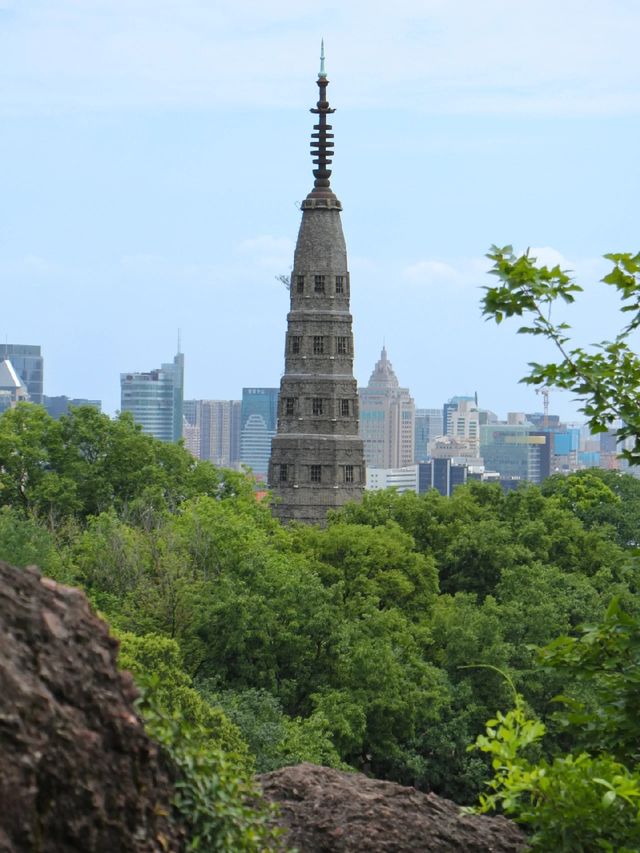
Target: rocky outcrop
(327, 811)
(77, 771)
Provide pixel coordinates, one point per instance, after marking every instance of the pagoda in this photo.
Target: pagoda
(317, 458)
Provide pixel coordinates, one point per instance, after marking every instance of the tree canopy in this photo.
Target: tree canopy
(373, 643)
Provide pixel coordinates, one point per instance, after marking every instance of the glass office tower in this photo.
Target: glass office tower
(155, 399)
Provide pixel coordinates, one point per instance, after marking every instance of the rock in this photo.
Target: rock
(78, 774)
(327, 811)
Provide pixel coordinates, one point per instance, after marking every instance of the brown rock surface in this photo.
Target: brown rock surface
(327, 811)
(77, 771)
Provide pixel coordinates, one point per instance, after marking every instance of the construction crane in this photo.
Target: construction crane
(544, 390)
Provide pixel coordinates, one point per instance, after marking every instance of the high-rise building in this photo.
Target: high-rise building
(428, 425)
(461, 418)
(12, 390)
(543, 420)
(191, 426)
(28, 364)
(441, 474)
(486, 416)
(155, 399)
(191, 437)
(456, 449)
(59, 406)
(317, 459)
(217, 423)
(387, 418)
(516, 450)
(609, 441)
(258, 424)
(190, 411)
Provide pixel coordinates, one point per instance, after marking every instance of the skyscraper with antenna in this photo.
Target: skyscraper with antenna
(155, 398)
(317, 460)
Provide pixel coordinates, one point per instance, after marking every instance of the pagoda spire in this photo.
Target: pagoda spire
(322, 140)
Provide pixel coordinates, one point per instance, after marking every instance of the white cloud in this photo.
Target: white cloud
(431, 272)
(458, 273)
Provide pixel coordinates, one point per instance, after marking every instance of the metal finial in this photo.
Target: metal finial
(322, 142)
(323, 72)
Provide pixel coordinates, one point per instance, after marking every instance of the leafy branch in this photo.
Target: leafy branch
(607, 380)
(588, 799)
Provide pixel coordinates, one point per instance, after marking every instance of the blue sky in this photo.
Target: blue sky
(153, 153)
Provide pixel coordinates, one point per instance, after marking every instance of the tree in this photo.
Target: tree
(599, 498)
(156, 660)
(587, 798)
(86, 464)
(607, 378)
(604, 657)
(571, 803)
(379, 562)
(27, 542)
(31, 448)
(275, 739)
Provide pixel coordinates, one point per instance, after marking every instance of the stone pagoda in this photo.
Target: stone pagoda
(317, 459)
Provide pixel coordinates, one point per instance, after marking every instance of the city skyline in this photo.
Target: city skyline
(135, 202)
(441, 406)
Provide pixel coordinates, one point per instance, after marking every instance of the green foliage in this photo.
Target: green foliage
(588, 799)
(437, 759)
(599, 498)
(572, 803)
(373, 562)
(30, 448)
(158, 659)
(214, 794)
(479, 531)
(215, 798)
(582, 494)
(111, 555)
(275, 739)
(380, 676)
(346, 646)
(607, 378)
(604, 659)
(309, 739)
(86, 463)
(27, 542)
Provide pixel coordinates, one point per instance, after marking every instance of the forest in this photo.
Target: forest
(383, 642)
